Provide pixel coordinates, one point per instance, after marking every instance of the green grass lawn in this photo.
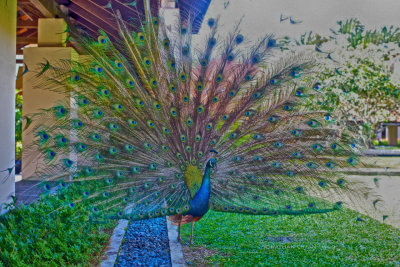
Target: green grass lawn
(334, 239)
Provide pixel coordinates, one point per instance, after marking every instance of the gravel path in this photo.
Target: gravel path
(145, 244)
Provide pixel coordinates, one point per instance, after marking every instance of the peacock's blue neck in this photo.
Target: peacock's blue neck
(205, 184)
(199, 203)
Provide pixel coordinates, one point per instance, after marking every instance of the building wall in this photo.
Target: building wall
(51, 48)
(36, 98)
(8, 26)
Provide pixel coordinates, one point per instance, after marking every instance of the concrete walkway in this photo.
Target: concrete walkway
(382, 152)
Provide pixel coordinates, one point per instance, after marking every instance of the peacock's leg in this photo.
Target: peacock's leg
(179, 230)
(191, 233)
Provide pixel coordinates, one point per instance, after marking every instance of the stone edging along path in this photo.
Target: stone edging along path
(151, 242)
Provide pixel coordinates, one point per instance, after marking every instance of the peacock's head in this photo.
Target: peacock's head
(212, 163)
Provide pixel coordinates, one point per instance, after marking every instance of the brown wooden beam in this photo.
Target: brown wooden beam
(27, 40)
(120, 5)
(25, 15)
(95, 10)
(93, 18)
(27, 24)
(23, 2)
(48, 8)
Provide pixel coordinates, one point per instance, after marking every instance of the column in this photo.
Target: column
(392, 135)
(51, 48)
(8, 26)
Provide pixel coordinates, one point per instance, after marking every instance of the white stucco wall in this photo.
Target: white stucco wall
(8, 20)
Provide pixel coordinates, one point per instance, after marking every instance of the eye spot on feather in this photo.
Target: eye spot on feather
(255, 59)
(317, 86)
(155, 21)
(239, 39)
(183, 138)
(300, 92)
(166, 43)
(182, 77)
(211, 22)
(141, 36)
(185, 51)
(299, 189)
(256, 95)
(212, 42)
(184, 30)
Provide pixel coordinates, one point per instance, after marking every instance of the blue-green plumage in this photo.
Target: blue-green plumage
(199, 204)
(147, 120)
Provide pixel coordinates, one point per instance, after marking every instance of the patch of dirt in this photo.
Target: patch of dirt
(198, 256)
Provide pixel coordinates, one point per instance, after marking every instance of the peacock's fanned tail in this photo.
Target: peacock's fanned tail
(147, 109)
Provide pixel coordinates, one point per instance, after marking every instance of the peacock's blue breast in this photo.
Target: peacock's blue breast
(199, 204)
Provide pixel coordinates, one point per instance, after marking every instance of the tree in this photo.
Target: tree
(361, 93)
(356, 75)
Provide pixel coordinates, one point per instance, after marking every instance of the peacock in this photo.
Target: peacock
(154, 125)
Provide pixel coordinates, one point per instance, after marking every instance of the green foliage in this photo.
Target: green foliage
(18, 123)
(385, 143)
(332, 239)
(357, 35)
(49, 233)
(362, 94)
(358, 87)
(311, 39)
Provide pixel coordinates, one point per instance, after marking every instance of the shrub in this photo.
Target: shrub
(50, 233)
